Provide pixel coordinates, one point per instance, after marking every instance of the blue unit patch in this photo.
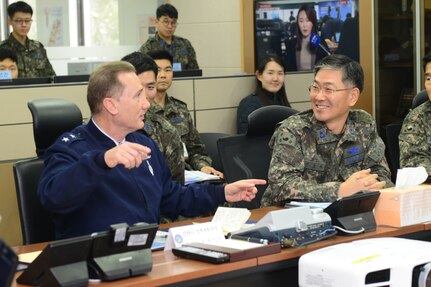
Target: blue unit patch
(353, 154)
(354, 150)
(322, 134)
(147, 128)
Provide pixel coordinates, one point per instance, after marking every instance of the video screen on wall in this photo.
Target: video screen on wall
(276, 27)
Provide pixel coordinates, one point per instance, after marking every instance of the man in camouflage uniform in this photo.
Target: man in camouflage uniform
(180, 48)
(176, 112)
(32, 59)
(156, 126)
(415, 135)
(330, 151)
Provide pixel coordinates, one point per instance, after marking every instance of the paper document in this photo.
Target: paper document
(231, 218)
(192, 176)
(28, 257)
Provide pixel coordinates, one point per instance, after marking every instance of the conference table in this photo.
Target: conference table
(279, 269)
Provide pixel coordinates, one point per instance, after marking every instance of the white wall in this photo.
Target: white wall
(213, 27)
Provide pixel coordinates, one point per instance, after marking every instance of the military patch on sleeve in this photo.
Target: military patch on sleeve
(284, 138)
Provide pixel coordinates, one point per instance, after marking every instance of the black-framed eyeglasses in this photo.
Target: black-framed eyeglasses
(315, 90)
(23, 21)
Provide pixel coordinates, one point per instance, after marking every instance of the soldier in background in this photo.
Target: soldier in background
(177, 113)
(8, 61)
(330, 151)
(415, 135)
(32, 59)
(157, 126)
(184, 56)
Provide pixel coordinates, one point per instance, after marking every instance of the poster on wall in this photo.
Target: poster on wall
(53, 22)
(52, 26)
(146, 27)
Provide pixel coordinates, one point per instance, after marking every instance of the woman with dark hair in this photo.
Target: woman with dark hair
(270, 90)
(300, 55)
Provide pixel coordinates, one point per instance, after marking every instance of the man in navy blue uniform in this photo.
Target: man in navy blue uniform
(104, 172)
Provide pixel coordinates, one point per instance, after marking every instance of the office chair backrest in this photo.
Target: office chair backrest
(264, 120)
(245, 157)
(420, 98)
(210, 141)
(36, 224)
(392, 143)
(248, 156)
(51, 118)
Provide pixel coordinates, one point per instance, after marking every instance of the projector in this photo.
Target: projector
(378, 262)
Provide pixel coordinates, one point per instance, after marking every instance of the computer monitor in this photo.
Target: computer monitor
(26, 81)
(71, 79)
(112, 259)
(61, 263)
(187, 73)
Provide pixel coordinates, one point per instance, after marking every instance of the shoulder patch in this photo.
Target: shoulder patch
(361, 116)
(178, 101)
(69, 138)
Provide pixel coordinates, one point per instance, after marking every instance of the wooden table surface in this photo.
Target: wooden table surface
(169, 269)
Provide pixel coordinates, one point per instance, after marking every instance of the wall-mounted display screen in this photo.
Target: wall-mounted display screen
(277, 25)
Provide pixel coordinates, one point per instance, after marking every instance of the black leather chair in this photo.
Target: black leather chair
(51, 117)
(420, 98)
(392, 145)
(210, 141)
(248, 155)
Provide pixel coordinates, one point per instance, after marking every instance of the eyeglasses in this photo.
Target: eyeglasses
(166, 23)
(315, 90)
(23, 21)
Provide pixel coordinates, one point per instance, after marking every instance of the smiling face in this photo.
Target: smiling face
(332, 108)
(272, 77)
(304, 24)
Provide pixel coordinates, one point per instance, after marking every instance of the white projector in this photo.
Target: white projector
(378, 262)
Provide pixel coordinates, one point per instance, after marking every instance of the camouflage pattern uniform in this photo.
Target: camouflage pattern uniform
(181, 49)
(176, 112)
(32, 59)
(415, 138)
(309, 162)
(168, 141)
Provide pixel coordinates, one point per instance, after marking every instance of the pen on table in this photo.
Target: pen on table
(250, 239)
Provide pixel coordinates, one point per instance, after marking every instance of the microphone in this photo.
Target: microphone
(315, 42)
